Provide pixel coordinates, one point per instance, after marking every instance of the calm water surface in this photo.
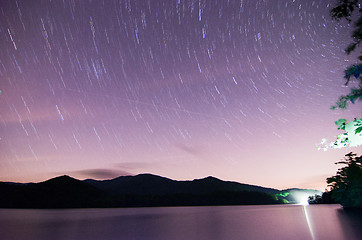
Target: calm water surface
(187, 223)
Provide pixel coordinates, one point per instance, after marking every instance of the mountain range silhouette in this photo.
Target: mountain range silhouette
(143, 190)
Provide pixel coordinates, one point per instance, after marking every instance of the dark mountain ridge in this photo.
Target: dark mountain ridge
(153, 184)
(143, 190)
(58, 192)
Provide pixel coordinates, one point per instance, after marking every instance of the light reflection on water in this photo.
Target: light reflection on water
(225, 222)
(308, 221)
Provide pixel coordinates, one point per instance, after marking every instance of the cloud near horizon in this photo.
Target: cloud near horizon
(102, 173)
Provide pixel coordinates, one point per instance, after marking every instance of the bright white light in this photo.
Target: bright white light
(302, 198)
(304, 201)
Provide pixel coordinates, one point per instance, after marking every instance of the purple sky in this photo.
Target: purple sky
(239, 90)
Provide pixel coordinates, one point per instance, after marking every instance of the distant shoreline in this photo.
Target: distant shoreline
(144, 190)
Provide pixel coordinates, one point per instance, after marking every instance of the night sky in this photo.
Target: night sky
(239, 90)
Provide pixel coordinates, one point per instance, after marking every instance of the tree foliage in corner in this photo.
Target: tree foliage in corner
(346, 186)
(345, 9)
(352, 135)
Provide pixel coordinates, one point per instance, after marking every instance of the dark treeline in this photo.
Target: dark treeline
(325, 198)
(345, 186)
(66, 192)
(210, 199)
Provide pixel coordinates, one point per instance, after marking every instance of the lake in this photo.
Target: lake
(185, 223)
